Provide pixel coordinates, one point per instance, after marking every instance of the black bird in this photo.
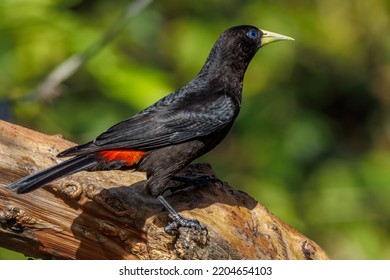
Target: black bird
(170, 134)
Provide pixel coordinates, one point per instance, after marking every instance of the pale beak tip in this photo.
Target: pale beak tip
(269, 37)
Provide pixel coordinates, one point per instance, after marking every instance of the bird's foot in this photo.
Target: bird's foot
(179, 221)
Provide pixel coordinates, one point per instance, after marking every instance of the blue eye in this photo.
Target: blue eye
(252, 34)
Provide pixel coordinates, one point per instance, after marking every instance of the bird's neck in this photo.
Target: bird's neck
(221, 77)
(227, 69)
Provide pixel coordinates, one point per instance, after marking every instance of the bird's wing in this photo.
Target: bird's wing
(170, 122)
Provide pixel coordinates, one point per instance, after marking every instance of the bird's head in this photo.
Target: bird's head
(236, 47)
(242, 42)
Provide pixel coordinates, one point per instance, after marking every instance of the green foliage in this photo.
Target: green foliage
(311, 142)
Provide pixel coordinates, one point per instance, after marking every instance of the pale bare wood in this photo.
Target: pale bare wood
(98, 216)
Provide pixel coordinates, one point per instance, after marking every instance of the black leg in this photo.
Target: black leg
(178, 221)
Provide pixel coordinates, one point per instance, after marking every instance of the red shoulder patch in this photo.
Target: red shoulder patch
(130, 157)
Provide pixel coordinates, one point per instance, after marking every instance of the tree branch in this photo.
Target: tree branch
(97, 216)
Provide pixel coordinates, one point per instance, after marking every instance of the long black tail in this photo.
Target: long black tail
(36, 180)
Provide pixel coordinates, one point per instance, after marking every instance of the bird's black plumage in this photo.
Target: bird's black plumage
(207, 104)
(168, 135)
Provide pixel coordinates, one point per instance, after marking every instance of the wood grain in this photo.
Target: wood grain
(109, 215)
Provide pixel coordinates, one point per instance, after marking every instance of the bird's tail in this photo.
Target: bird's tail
(36, 180)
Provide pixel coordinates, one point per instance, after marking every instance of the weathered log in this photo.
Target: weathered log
(109, 215)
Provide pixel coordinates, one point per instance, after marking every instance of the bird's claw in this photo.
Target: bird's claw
(179, 221)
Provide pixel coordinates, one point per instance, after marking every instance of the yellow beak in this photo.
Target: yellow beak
(269, 37)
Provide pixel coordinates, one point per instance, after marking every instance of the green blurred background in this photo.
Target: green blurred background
(312, 142)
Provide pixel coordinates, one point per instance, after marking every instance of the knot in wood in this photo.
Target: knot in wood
(108, 228)
(15, 219)
(72, 188)
(308, 250)
(92, 190)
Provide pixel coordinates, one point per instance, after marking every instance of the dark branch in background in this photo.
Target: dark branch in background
(50, 87)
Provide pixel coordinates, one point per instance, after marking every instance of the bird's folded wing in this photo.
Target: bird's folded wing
(167, 125)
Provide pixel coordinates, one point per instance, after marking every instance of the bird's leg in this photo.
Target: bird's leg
(177, 219)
